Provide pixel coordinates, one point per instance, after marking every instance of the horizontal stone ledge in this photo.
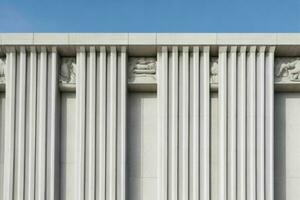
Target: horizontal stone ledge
(149, 38)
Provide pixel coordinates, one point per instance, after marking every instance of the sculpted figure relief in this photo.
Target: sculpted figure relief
(68, 71)
(288, 69)
(214, 70)
(142, 69)
(2, 69)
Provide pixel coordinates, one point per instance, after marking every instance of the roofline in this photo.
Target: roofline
(150, 39)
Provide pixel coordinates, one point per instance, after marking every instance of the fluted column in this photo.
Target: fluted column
(163, 124)
(19, 175)
(204, 125)
(223, 93)
(30, 140)
(9, 135)
(232, 78)
(195, 125)
(122, 96)
(174, 102)
(101, 126)
(251, 124)
(41, 127)
(260, 117)
(112, 126)
(241, 124)
(91, 126)
(81, 126)
(269, 159)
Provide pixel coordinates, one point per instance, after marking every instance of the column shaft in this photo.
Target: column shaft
(260, 124)
(19, 175)
(173, 169)
(195, 129)
(112, 127)
(31, 134)
(204, 125)
(269, 124)
(241, 125)
(222, 123)
(232, 124)
(81, 105)
(91, 127)
(101, 128)
(251, 125)
(41, 128)
(9, 136)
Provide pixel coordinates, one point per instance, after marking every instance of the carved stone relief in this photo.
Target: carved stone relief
(287, 69)
(214, 70)
(67, 73)
(2, 70)
(142, 70)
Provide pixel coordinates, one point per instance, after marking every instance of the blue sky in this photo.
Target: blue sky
(150, 16)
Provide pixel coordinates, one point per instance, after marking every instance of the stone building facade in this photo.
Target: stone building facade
(149, 116)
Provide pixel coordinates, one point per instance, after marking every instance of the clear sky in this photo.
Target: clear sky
(150, 16)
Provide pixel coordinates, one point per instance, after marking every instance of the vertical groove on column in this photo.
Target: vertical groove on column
(222, 122)
(270, 124)
(91, 126)
(9, 136)
(261, 123)
(41, 128)
(30, 144)
(251, 125)
(232, 124)
(101, 126)
(112, 126)
(204, 125)
(81, 98)
(241, 125)
(51, 135)
(195, 129)
(159, 125)
(122, 126)
(163, 124)
(184, 140)
(173, 169)
(20, 129)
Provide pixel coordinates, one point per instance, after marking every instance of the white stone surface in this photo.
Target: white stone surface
(81, 136)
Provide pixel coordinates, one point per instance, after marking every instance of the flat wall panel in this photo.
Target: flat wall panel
(69, 160)
(2, 125)
(142, 146)
(287, 148)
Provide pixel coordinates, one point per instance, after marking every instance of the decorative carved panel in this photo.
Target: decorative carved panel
(67, 73)
(214, 70)
(2, 70)
(142, 70)
(287, 69)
